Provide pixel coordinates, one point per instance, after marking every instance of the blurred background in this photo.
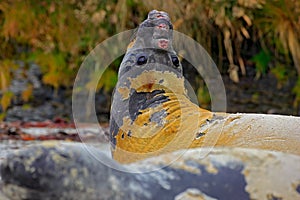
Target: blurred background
(255, 44)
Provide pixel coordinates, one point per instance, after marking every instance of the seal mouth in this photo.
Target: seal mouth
(163, 43)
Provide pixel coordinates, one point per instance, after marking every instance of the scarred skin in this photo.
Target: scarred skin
(152, 115)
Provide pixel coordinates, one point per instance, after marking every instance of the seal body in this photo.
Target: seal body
(151, 112)
(75, 171)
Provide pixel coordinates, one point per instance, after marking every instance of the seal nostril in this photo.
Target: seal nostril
(162, 26)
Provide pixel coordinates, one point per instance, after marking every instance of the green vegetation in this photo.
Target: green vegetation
(57, 35)
(261, 61)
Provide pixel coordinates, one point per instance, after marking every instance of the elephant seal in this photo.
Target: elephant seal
(75, 171)
(152, 114)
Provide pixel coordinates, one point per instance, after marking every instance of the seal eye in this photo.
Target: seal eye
(175, 61)
(141, 60)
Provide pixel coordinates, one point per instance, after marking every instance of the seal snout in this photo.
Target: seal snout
(162, 34)
(162, 26)
(158, 15)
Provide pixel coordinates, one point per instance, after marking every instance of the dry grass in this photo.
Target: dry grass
(60, 34)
